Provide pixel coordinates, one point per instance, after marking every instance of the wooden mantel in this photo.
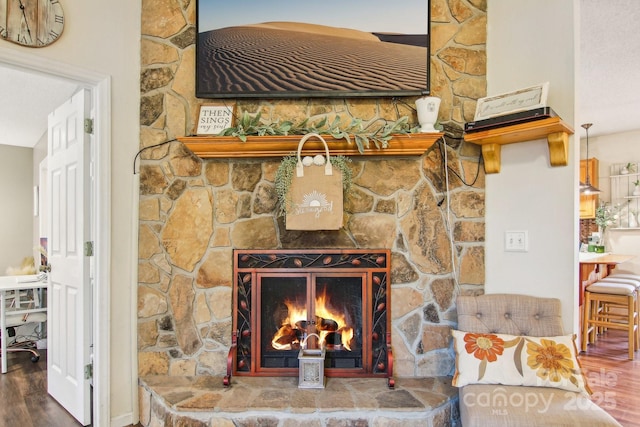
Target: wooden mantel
(553, 129)
(279, 146)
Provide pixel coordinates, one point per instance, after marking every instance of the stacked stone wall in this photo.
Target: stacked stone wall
(193, 213)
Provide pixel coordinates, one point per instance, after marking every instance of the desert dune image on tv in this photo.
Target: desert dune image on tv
(284, 48)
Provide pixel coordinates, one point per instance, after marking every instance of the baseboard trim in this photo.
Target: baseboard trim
(122, 420)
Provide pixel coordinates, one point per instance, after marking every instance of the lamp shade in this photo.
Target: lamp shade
(589, 189)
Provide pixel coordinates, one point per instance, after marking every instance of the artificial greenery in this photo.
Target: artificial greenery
(363, 135)
(606, 215)
(287, 168)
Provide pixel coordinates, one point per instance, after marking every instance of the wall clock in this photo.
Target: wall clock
(33, 23)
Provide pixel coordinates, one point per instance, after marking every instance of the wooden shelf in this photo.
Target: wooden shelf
(208, 147)
(553, 129)
(625, 175)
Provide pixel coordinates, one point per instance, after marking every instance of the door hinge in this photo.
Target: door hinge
(88, 371)
(88, 248)
(88, 126)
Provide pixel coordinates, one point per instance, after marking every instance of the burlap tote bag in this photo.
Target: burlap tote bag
(314, 201)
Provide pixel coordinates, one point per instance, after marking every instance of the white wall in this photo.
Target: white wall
(16, 214)
(611, 149)
(530, 42)
(103, 37)
(39, 154)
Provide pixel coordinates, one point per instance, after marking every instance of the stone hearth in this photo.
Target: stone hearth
(278, 402)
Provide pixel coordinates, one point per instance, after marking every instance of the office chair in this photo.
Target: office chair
(21, 305)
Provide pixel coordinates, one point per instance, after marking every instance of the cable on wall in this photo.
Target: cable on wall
(475, 178)
(454, 134)
(135, 159)
(448, 220)
(447, 217)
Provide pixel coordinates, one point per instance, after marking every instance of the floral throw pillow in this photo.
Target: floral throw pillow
(517, 360)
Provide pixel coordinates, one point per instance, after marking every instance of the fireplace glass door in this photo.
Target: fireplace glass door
(295, 306)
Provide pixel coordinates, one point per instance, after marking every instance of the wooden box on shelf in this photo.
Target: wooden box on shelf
(588, 203)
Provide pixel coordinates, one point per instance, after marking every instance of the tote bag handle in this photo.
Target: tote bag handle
(328, 170)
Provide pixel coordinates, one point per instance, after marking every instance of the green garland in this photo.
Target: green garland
(380, 131)
(287, 168)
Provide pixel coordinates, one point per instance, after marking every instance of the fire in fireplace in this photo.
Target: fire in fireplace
(283, 296)
(294, 305)
(333, 325)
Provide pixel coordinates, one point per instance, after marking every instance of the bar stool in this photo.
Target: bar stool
(600, 298)
(630, 279)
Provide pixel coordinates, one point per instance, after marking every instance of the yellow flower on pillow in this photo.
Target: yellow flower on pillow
(484, 346)
(550, 359)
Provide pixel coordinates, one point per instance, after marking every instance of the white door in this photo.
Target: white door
(69, 297)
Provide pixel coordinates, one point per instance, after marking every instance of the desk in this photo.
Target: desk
(591, 268)
(12, 284)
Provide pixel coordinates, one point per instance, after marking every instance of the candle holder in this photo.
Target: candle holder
(311, 365)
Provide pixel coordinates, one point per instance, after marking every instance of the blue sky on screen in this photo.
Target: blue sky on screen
(399, 16)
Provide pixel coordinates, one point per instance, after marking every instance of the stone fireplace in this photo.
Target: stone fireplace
(193, 213)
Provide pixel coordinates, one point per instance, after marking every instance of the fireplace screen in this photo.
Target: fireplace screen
(280, 297)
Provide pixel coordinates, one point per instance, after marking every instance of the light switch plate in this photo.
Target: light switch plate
(516, 241)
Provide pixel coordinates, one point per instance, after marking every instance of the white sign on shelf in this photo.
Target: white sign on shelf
(512, 102)
(213, 119)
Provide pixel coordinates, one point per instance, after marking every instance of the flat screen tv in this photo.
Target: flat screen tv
(297, 49)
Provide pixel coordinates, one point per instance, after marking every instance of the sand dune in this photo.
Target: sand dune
(303, 27)
(260, 59)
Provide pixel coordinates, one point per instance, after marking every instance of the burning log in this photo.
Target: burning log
(302, 325)
(340, 339)
(333, 340)
(287, 338)
(330, 324)
(326, 324)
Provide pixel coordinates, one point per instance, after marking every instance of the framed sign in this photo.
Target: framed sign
(512, 102)
(213, 119)
(285, 48)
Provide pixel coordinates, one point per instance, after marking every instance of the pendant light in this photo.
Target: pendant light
(587, 188)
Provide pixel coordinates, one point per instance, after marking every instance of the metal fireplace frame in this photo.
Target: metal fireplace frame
(373, 265)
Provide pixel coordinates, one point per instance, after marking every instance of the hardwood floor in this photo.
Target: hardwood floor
(24, 401)
(23, 395)
(613, 378)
